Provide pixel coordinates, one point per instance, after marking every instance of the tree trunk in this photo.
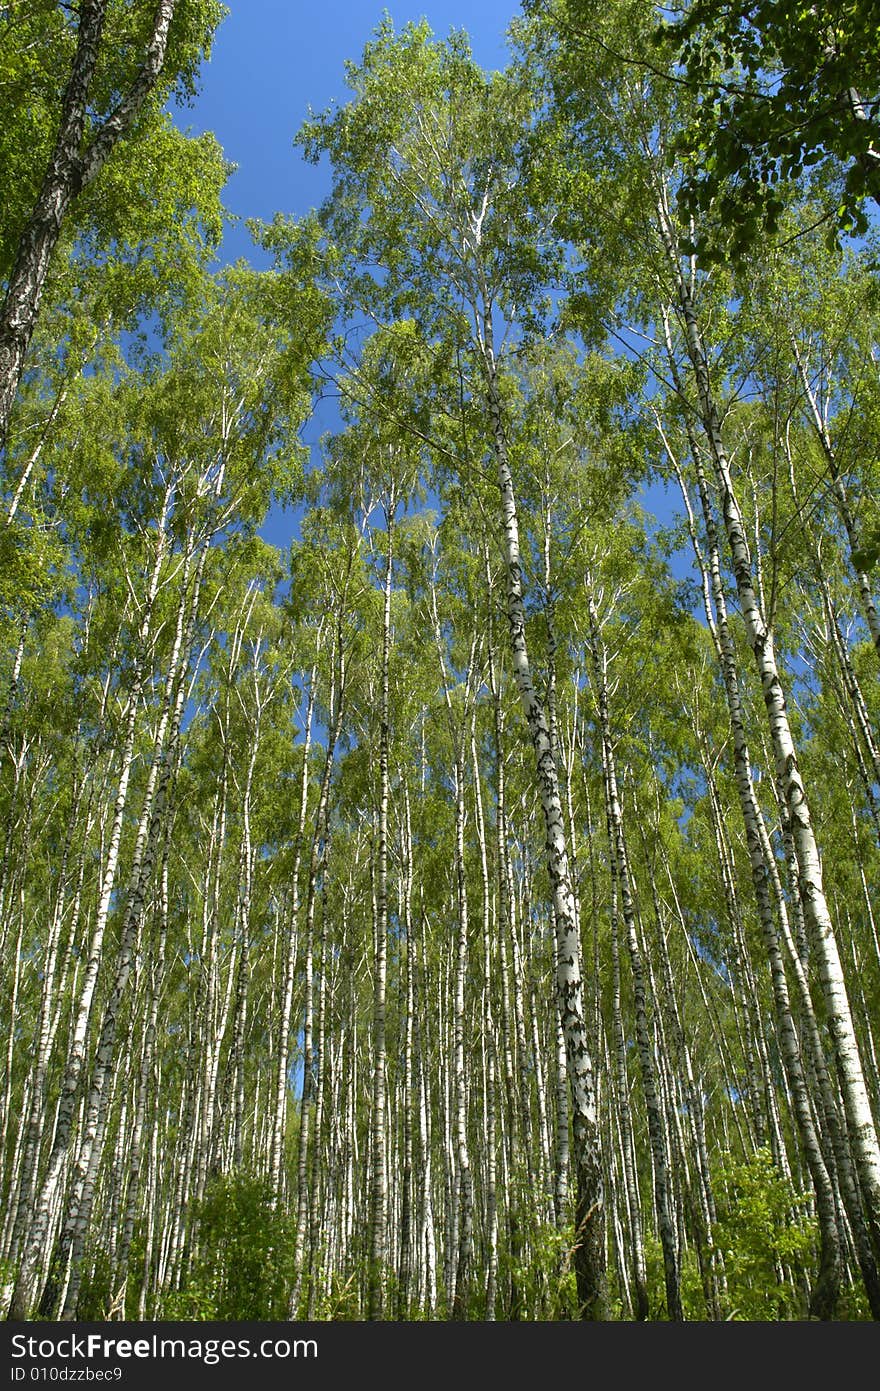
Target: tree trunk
(378, 1139)
(589, 1260)
(618, 852)
(860, 1121)
(71, 169)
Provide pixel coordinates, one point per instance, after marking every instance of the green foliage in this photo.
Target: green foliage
(693, 1300)
(865, 557)
(417, 194)
(30, 557)
(96, 1294)
(454, 210)
(339, 1299)
(762, 1232)
(37, 46)
(782, 90)
(538, 1268)
(762, 1229)
(244, 1263)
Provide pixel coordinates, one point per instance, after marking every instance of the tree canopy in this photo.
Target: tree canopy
(466, 909)
(782, 90)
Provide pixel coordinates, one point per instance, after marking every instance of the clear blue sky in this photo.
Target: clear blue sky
(274, 59)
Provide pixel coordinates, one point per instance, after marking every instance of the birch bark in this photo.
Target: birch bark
(72, 167)
(860, 1121)
(589, 1258)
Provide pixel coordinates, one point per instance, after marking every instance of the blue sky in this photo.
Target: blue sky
(274, 59)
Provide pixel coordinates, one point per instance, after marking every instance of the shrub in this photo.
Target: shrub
(762, 1228)
(243, 1267)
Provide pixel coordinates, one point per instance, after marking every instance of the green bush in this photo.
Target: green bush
(95, 1295)
(539, 1269)
(762, 1228)
(693, 1299)
(243, 1267)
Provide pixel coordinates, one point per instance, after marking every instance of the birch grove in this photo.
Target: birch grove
(469, 909)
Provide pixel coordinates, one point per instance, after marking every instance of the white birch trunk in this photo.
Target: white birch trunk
(860, 1121)
(619, 855)
(150, 829)
(378, 1137)
(589, 1218)
(38, 1234)
(72, 167)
